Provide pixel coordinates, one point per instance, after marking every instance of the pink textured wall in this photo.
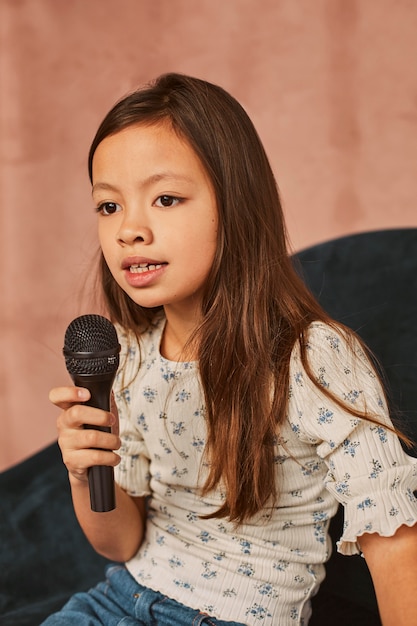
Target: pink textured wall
(330, 84)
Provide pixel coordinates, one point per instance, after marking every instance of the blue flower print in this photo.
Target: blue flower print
(178, 428)
(321, 379)
(281, 566)
(205, 536)
(319, 532)
(184, 585)
(175, 562)
(320, 516)
(352, 396)
(342, 486)
(368, 503)
(182, 396)
(295, 429)
(246, 569)
(395, 483)
(298, 552)
(124, 395)
(198, 443)
(376, 468)
(133, 460)
(245, 545)
(142, 423)
(287, 524)
(169, 374)
(208, 573)
(164, 510)
(411, 496)
(381, 432)
(381, 402)
(294, 613)
(325, 416)
(349, 447)
(298, 377)
(151, 362)
(311, 467)
(179, 473)
(334, 342)
(394, 511)
(165, 446)
(258, 612)
(172, 529)
(266, 589)
(149, 394)
(229, 593)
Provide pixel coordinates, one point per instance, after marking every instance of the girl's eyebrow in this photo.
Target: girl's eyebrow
(154, 178)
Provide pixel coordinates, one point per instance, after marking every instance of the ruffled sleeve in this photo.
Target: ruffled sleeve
(368, 470)
(132, 473)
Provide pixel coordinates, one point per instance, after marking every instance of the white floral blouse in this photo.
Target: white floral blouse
(266, 571)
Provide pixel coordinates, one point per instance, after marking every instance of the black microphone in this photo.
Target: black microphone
(91, 351)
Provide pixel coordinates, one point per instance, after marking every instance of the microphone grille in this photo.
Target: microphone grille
(91, 346)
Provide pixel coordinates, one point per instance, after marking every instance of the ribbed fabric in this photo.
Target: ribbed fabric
(266, 571)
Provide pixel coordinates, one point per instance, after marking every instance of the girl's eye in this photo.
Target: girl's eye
(108, 208)
(167, 201)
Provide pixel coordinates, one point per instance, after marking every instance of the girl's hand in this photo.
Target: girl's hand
(84, 447)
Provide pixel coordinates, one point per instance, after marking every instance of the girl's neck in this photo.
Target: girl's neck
(175, 340)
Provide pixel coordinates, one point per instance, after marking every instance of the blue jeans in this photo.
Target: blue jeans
(121, 601)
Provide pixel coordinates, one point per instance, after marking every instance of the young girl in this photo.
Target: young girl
(246, 414)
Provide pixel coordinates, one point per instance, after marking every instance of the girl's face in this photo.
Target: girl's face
(157, 217)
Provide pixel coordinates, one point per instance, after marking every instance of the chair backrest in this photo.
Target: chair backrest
(368, 281)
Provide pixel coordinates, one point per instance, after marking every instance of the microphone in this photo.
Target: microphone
(91, 350)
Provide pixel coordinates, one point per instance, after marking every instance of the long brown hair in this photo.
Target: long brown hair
(255, 306)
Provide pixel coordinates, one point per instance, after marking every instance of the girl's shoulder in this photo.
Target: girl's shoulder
(329, 336)
(326, 344)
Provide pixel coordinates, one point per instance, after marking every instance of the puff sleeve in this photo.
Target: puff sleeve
(368, 470)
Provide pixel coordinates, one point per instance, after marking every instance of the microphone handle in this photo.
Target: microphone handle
(100, 477)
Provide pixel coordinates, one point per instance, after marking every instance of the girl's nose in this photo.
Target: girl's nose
(132, 231)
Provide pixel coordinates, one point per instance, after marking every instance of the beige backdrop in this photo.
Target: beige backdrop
(330, 84)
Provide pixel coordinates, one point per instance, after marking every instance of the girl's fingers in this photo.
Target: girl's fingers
(78, 414)
(88, 439)
(64, 397)
(78, 462)
(83, 447)
(75, 415)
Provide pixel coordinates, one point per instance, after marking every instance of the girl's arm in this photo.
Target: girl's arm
(392, 562)
(116, 534)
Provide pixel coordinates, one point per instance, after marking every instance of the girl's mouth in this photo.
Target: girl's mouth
(144, 267)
